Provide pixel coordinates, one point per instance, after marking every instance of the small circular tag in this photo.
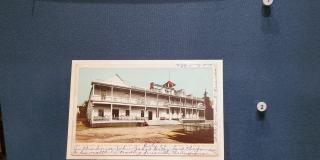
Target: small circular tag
(262, 106)
(267, 2)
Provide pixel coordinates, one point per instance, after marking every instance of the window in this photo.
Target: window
(127, 112)
(103, 94)
(101, 113)
(96, 90)
(142, 113)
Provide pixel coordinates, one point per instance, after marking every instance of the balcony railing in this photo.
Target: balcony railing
(137, 101)
(153, 103)
(141, 101)
(128, 118)
(121, 99)
(120, 118)
(176, 104)
(99, 118)
(162, 103)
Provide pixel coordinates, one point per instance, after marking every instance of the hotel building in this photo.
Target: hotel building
(114, 102)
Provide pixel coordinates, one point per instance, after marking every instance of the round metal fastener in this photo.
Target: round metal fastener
(262, 107)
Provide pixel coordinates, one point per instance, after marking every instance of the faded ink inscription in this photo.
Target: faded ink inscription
(145, 149)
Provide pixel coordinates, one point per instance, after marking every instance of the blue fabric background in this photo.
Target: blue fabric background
(273, 59)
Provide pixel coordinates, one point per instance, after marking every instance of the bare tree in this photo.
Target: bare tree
(208, 105)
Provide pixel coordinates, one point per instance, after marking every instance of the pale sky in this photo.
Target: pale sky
(193, 80)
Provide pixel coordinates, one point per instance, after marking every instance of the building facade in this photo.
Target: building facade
(114, 101)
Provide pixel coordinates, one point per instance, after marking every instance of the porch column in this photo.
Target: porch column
(204, 114)
(185, 101)
(169, 100)
(130, 111)
(145, 105)
(180, 114)
(145, 112)
(170, 113)
(111, 112)
(157, 107)
(130, 98)
(91, 116)
(157, 113)
(157, 99)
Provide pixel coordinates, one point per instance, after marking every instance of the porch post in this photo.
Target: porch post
(157, 99)
(91, 117)
(180, 115)
(130, 97)
(111, 112)
(170, 114)
(130, 112)
(145, 105)
(157, 115)
(204, 114)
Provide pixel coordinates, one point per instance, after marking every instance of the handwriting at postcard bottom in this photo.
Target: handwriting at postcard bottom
(145, 149)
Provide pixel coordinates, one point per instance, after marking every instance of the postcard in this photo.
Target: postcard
(146, 109)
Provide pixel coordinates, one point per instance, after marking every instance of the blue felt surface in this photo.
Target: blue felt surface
(274, 59)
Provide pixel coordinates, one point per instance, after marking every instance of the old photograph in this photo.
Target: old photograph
(145, 108)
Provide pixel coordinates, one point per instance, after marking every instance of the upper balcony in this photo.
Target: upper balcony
(142, 101)
(118, 100)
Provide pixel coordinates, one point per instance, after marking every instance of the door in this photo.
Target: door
(101, 113)
(115, 113)
(150, 115)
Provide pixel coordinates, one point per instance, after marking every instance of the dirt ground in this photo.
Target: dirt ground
(147, 134)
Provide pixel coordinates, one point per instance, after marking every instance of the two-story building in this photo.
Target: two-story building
(116, 102)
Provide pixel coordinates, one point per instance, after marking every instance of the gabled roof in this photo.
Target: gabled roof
(116, 80)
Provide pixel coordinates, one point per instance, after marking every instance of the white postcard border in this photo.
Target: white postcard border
(218, 110)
